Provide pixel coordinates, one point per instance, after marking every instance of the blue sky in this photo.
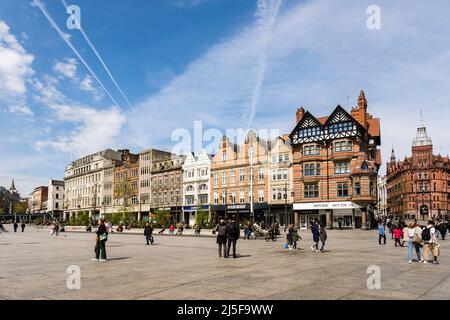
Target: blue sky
(227, 63)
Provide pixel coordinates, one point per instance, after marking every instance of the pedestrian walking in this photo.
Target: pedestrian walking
(197, 229)
(316, 235)
(15, 226)
(323, 237)
(56, 229)
(52, 229)
(232, 233)
(171, 229)
(430, 246)
(296, 237)
(221, 240)
(248, 231)
(417, 240)
(101, 238)
(340, 223)
(148, 232)
(23, 226)
(397, 235)
(381, 233)
(442, 227)
(163, 228)
(180, 229)
(290, 236)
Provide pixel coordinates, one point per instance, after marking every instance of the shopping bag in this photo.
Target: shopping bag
(286, 245)
(436, 250)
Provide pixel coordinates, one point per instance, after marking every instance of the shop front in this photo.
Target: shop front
(190, 213)
(280, 213)
(345, 214)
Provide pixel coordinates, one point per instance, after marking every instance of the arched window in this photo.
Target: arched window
(189, 188)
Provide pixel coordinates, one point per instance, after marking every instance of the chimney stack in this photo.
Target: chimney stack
(299, 114)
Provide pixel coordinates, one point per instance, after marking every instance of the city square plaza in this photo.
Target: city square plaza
(34, 265)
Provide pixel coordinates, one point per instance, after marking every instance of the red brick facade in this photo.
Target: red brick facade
(419, 186)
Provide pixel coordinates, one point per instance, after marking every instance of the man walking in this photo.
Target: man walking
(221, 240)
(15, 226)
(232, 233)
(381, 233)
(23, 226)
(316, 235)
(148, 231)
(101, 238)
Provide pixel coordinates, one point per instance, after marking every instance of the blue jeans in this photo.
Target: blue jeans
(410, 248)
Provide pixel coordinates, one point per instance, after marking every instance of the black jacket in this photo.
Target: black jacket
(233, 231)
(101, 230)
(148, 230)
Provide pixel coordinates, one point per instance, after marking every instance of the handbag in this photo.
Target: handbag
(417, 239)
(103, 236)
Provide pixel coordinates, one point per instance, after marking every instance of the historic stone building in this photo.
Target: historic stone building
(55, 202)
(280, 181)
(196, 185)
(38, 200)
(419, 186)
(126, 184)
(89, 184)
(335, 166)
(239, 180)
(146, 160)
(167, 184)
(382, 205)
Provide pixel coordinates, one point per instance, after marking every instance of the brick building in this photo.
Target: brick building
(335, 166)
(126, 184)
(232, 181)
(419, 186)
(167, 184)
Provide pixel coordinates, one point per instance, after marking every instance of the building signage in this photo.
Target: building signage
(238, 207)
(195, 208)
(326, 205)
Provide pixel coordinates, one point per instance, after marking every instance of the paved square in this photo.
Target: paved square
(33, 266)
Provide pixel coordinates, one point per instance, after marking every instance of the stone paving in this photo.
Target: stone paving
(33, 266)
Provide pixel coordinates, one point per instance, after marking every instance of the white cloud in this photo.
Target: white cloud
(67, 68)
(95, 129)
(86, 85)
(15, 68)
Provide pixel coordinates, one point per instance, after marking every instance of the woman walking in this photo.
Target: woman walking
(397, 236)
(101, 238)
(408, 235)
(418, 240)
(290, 236)
(323, 237)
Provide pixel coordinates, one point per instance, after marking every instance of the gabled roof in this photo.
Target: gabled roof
(341, 115)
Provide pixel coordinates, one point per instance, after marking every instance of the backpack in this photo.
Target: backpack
(426, 234)
(222, 231)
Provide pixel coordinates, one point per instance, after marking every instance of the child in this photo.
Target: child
(397, 236)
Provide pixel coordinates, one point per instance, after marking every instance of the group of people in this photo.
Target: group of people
(227, 235)
(417, 237)
(319, 233)
(16, 226)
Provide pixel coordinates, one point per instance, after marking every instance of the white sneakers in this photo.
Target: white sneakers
(409, 261)
(94, 259)
(312, 248)
(102, 260)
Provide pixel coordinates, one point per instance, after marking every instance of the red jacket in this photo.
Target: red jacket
(397, 233)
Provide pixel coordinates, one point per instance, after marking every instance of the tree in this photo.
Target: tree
(162, 217)
(21, 208)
